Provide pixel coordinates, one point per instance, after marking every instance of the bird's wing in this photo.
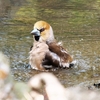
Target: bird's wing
(58, 56)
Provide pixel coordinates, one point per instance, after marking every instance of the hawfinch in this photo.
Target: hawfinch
(4, 67)
(46, 53)
(45, 86)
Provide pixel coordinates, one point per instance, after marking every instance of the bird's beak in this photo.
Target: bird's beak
(35, 32)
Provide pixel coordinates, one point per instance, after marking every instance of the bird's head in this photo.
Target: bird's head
(42, 31)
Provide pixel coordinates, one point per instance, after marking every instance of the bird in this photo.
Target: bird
(6, 83)
(4, 66)
(45, 86)
(46, 52)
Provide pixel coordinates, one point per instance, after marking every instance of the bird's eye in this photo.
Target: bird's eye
(41, 30)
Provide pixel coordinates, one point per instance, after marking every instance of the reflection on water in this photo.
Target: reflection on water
(75, 22)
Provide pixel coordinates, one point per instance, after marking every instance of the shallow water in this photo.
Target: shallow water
(75, 23)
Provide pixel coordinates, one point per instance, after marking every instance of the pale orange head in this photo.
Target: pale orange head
(42, 32)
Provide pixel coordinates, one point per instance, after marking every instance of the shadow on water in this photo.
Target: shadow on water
(75, 22)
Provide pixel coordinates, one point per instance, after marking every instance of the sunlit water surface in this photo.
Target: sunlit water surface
(75, 23)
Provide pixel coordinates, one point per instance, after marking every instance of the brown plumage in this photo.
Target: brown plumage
(37, 54)
(46, 52)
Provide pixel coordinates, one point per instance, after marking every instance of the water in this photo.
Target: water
(75, 23)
